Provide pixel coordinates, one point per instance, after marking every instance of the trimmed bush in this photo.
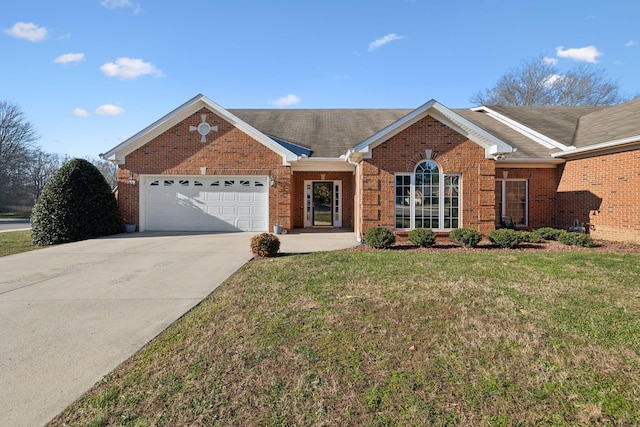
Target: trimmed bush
(571, 238)
(379, 237)
(265, 245)
(548, 233)
(423, 237)
(530, 237)
(76, 204)
(506, 237)
(465, 237)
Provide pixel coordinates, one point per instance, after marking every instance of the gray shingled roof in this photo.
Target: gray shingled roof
(527, 148)
(557, 122)
(610, 124)
(327, 133)
(331, 132)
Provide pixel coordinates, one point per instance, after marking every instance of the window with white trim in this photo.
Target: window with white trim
(427, 198)
(512, 200)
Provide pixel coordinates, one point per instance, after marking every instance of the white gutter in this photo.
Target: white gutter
(529, 163)
(601, 146)
(347, 157)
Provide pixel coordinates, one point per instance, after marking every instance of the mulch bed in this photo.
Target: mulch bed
(444, 244)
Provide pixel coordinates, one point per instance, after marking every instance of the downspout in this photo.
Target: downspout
(358, 207)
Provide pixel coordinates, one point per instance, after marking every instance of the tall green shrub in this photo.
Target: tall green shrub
(76, 204)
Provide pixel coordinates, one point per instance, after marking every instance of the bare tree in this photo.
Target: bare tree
(17, 138)
(536, 82)
(109, 170)
(42, 167)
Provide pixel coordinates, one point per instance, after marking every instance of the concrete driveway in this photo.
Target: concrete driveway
(72, 313)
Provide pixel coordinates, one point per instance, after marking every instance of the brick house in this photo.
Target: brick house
(204, 168)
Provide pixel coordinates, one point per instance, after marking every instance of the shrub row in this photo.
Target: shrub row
(266, 245)
(382, 238)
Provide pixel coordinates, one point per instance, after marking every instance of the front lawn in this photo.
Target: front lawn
(491, 338)
(14, 242)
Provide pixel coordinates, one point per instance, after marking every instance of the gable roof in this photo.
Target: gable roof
(493, 146)
(561, 130)
(325, 132)
(195, 104)
(524, 133)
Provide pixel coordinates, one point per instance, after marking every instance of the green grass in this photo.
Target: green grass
(14, 242)
(394, 338)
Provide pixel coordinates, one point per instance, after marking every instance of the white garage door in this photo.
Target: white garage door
(199, 203)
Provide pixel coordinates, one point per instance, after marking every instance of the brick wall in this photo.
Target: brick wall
(603, 191)
(298, 201)
(453, 152)
(542, 193)
(229, 151)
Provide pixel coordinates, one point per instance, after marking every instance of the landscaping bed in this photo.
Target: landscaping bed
(444, 244)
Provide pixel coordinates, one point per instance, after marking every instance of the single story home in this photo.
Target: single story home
(202, 167)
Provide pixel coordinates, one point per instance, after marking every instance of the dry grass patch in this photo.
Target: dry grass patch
(393, 338)
(15, 242)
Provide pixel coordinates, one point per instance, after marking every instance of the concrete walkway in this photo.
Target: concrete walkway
(72, 313)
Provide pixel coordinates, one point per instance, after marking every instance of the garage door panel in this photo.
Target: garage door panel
(244, 211)
(206, 204)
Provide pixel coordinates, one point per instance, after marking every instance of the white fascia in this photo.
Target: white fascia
(322, 164)
(601, 146)
(543, 163)
(118, 153)
(541, 139)
(490, 143)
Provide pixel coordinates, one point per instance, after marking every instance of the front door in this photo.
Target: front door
(323, 204)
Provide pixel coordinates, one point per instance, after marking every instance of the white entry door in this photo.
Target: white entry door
(204, 203)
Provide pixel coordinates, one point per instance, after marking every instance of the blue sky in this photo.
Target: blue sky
(89, 73)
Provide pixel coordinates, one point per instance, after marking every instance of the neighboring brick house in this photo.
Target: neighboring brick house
(204, 168)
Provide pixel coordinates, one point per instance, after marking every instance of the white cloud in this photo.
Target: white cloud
(630, 43)
(79, 112)
(129, 68)
(69, 58)
(552, 79)
(585, 54)
(28, 31)
(549, 61)
(286, 101)
(122, 4)
(384, 40)
(109, 110)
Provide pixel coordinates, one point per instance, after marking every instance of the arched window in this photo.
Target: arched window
(427, 198)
